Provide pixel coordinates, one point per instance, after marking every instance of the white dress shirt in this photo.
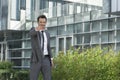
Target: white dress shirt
(45, 43)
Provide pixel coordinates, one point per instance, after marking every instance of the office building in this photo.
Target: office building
(77, 23)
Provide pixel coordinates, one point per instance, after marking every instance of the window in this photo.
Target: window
(78, 27)
(23, 4)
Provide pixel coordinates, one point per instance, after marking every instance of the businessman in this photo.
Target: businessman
(41, 58)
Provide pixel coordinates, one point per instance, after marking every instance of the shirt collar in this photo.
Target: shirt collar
(42, 30)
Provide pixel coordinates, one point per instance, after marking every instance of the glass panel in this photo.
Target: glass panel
(15, 53)
(86, 16)
(113, 7)
(15, 44)
(118, 23)
(59, 9)
(17, 62)
(118, 3)
(65, 10)
(68, 43)
(106, 6)
(1, 37)
(52, 22)
(95, 37)
(61, 21)
(27, 53)
(111, 36)
(118, 35)
(79, 39)
(14, 35)
(78, 28)
(77, 8)
(26, 34)
(79, 17)
(104, 24)
(15, 11)
(28, 25)
(61, 44)
(96, 26)
(95, 15)
(26, 62)
(111, 23)
(69, 29)
(23, 4)
(4, 14)
(54, 11)
(87, 38)
(87, 27)
(0, 15)
(118, 47)
(104, 37)
(52, 31)
(61, 30)
(71, 8)
(53, 41)
(27, 44)
(69, 19)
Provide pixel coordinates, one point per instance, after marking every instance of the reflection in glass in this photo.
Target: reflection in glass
(104, 24)
(61, 44)
(95, 38)
(104, 37)
(68, 43)
(96, 26)
(61, 30)
(78, 28)
(87, 27)
(27, 53)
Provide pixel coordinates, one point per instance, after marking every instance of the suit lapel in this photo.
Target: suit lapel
(39, 39)
(47, 35)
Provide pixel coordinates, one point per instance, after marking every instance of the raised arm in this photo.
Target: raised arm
(33, 32)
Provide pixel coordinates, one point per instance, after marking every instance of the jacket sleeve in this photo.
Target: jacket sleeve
(32, 32)
(49, 49)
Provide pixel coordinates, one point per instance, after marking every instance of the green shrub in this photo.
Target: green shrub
(5, 70)
(21, 75)
(90, 64)
(6, 65)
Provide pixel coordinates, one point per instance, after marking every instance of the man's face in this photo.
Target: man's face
(42, 22)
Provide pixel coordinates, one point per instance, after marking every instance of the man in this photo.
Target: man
(41, 58)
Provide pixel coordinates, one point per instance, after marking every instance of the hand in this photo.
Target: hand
(37, 28)
(52, 63)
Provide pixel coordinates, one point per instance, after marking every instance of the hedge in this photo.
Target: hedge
(90, 64)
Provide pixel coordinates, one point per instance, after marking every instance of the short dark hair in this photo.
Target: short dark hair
(41, 16)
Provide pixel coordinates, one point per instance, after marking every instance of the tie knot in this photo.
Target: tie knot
(42, 31)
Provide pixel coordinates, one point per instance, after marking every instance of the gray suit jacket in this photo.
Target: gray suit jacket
(37, 54)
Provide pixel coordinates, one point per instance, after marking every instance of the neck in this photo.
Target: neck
(41, 28)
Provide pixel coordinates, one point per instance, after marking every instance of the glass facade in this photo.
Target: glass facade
(69, 24)
(3, 14)
(111, 7)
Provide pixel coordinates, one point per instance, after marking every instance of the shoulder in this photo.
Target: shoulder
(32, 28)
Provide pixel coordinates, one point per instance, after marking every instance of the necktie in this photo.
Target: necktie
(42, 40)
